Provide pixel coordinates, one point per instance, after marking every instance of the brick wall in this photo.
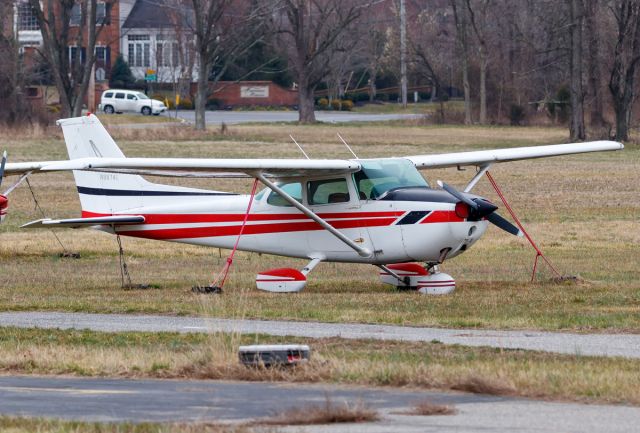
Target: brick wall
(248, 93)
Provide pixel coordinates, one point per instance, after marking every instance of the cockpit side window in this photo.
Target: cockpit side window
(328, 191)
(294, 189)
(379, 176)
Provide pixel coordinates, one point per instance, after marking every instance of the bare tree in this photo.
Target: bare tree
(223, 30)
(71, 73)
(576, 126)
(461, 20)
(478, 24)
(594, 71)
(315, 30)
(625, 60)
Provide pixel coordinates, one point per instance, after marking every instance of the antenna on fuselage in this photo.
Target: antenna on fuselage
(299, 147)
(348, 147)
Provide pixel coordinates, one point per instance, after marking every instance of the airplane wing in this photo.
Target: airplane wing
(279, 168)
(203, 167)
(76, 223)
(482, 157)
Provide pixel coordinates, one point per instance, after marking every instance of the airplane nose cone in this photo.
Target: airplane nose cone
(485, 208)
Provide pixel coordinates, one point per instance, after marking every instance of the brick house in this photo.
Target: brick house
(107, 41)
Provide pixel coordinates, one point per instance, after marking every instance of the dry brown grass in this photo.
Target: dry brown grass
(484, 385)
(32, 425)
(327, 413)
(360, 362)
(429, 408)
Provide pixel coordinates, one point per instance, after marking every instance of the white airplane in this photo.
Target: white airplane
(376, 211)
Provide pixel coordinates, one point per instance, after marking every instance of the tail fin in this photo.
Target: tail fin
(110, 193)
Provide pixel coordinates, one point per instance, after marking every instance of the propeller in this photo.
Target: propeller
(480, 208)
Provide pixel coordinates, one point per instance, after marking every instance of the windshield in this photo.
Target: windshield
(381, 175)
(142, 96)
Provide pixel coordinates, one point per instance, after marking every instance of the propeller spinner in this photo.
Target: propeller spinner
(480, 208)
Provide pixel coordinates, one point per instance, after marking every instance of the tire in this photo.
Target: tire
(146, 111)
(109, 109)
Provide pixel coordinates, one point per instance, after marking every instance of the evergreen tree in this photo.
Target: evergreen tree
(121, 76)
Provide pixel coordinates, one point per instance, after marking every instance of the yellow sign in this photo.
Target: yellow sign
(151, 72)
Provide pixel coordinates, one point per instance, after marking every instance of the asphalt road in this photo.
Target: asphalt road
(235, 117)
(113, 400)
(625, 345)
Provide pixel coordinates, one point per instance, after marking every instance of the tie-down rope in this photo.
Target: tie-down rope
(521, 227)
(218, 283)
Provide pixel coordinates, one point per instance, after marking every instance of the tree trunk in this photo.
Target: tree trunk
(201, 98)
(625, 59)
(576, 127)
(595, 77)
(467, 89)
(461, 32)
(306, 104)
(483, 88)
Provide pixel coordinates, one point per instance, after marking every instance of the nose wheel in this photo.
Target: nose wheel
(427, 279)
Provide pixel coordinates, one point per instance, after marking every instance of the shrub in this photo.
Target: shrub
(347, 105)
(185, 104)
(336, 104)
(213, 104)
(516, 114)
(323, 103)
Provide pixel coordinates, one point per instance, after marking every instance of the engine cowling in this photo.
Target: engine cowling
(4, 205)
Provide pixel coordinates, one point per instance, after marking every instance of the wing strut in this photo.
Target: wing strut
(363, 252)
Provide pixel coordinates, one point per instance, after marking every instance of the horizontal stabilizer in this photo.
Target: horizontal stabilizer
(76, 223)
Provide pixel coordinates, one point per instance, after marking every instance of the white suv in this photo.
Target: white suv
(118, 101)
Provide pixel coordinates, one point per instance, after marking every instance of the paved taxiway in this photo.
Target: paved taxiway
(625, 345)
(236, 117)
(176, 400)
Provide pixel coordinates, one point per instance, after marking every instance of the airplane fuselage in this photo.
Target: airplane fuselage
(395, 230)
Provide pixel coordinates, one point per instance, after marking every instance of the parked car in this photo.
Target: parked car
(119, 101)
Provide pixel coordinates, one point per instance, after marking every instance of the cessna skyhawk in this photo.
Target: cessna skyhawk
(375, 211)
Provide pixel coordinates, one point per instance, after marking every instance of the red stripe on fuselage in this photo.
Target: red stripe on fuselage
(343, 220)
(255, 229)
(442, 216)
(220, 218)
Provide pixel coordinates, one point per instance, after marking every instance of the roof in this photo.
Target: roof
(154, 14)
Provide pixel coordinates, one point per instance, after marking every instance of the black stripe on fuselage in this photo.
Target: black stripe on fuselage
(413, 217)
(136, 193)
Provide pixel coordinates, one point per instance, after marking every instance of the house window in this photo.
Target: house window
(76, 54)
(102, 14)
(27, 19)
(103, 63)
(167, 54)
(139, 50)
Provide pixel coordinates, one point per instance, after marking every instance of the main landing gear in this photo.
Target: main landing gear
(413, 276)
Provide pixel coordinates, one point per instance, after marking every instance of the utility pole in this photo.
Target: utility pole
(403, 53)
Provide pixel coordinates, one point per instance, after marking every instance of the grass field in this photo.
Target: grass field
(583, 211)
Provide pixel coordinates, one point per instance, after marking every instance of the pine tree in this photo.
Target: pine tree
(121, 76)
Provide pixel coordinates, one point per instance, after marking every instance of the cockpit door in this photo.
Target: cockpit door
(336, 201)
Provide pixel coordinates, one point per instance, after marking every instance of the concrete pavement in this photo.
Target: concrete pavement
(624, 345)
(116, 400)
